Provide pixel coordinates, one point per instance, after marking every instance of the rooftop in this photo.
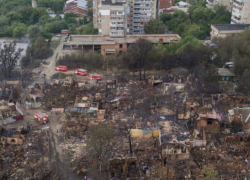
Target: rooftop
(98, 39)
(230, 27)
(225, 72)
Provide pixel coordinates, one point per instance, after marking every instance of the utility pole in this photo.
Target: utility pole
(107, 75)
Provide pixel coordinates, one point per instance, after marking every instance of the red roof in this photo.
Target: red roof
(72, 7)
(168, 10)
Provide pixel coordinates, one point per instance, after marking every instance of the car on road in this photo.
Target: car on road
(82, 72)
(61, 68)
(229, 64)
(41, 117)
(42, 75)
(95, 76)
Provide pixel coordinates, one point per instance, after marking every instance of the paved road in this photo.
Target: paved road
(50, 69)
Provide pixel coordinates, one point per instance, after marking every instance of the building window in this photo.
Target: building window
(120, 45)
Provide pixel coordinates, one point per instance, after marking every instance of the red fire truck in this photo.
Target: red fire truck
(41, 117)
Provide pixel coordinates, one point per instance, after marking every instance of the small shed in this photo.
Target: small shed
(226, 74)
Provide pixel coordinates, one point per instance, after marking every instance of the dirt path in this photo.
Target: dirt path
(50, 69)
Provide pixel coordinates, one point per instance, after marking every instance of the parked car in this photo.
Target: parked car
(61, 68)
(229, 64)
(42, 75)
(95, 76)
(82, 72)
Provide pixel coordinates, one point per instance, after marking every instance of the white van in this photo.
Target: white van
(229, 64)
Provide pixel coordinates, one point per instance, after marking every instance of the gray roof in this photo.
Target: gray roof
(109, 2)
(225, 72)
(82, 3)
(231, 27)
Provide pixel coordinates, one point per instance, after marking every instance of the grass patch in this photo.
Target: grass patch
(55, 43)
(60, 75)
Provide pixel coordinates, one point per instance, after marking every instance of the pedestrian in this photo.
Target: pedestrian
(57, 130)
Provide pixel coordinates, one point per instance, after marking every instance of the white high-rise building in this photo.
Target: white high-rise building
(142, 11)
(111, 17)
(240, 12)
(213, 3)
(118, 18)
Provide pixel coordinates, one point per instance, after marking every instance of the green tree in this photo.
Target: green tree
(165, 17)
(41, 49)
(99, 145)
(90, 13)
(70, 17)
(55, 27)
(44, 19)
(33, 33)
(20, 30)
(209, 172)
(139, 54)
(89, 29)
(13, 16)
(37, 14)
(154, 26)
(25, 14)
(72, 30)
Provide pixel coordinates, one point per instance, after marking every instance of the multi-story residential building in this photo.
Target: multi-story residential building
(111, 17)
(213, 3)
(118, 18)
(240, 12)
(142, 11)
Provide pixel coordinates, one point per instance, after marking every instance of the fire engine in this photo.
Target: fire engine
(41, 117)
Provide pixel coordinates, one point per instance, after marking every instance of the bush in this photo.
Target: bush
(87, 60)
(60, 75)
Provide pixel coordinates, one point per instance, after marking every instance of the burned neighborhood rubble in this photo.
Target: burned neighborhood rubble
(125, 129)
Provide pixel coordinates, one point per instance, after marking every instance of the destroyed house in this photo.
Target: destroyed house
(176, 151)
(81, 104)
(239, 118)
(7, 88)
(207, 119)
(123, 168)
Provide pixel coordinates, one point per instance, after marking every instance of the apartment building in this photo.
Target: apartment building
(213, 3)
(118, 18)
(142, 11)
(240, 12)
(111, 17)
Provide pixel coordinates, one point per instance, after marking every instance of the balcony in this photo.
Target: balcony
(137, 15)
(112, 25)
(137, 20)
(236, 13)
(210, 2)
(121, 1)
(238, 4)
(120, 25)
(235, 20)
(136, 24)
(119, 20)
(209, 5)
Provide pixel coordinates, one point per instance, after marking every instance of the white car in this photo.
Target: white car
(229, 64)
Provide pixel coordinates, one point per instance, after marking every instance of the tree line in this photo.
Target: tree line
(16, 16)
(196, 22)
